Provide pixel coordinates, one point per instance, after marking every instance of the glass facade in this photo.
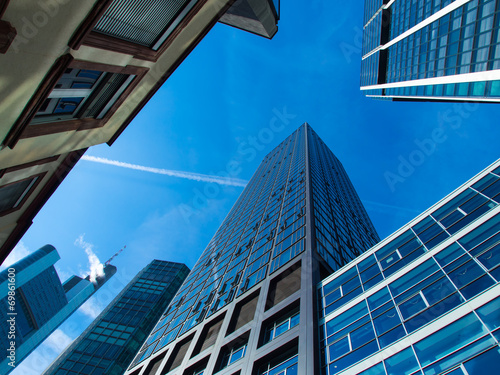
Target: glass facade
(299, 207)
(288, 367)
(342, 226)
(281, 325)
(423, 301)
(109, 344)
(36, 282)
(463, 40)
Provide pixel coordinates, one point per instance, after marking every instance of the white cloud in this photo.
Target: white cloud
(168, 172)
(92, 308)
(96, 267)
(18, 253)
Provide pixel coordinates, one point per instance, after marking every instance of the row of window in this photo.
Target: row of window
(371, 34)
(481, 89)
(238, 257)
(455, 274)
(371, 8)
(463, 41)
(120, 327)
(370, 70)
(342, 227)
(468, 346)
(281, 287)
(466, 207)
(406, 14)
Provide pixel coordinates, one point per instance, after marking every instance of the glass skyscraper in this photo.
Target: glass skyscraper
(426, 299)
(41, 302)
(249, 306)
(295, 281)
(110, 343)
(431, 50)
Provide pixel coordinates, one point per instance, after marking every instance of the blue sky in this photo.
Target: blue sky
(236, 89)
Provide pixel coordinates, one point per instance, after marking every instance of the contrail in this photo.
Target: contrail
(168, 172)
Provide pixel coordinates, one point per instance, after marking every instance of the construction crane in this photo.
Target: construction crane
(110, 259)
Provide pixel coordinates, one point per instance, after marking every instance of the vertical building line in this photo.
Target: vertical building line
(308, 341)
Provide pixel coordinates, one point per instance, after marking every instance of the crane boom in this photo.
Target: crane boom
(116, 254)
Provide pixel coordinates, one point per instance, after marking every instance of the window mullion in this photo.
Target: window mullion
(423, 298)
(69, 93)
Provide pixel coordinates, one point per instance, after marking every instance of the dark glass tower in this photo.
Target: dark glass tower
(431, 50)
(249, 305)
(36, 302)
(109, 344)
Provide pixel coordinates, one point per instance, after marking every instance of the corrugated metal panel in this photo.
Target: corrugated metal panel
(140, 22)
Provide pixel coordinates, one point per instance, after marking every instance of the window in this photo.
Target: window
(280, 325)
(233, 354)
(82, 93)
(233, 351)
(485, 363)
(288, 367)
(75, 95)
(352, 341)
(141, 29)
(145, 24)
(13, 195)
(198, 368)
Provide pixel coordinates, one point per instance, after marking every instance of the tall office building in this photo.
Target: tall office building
(41, 302)
(110, 343)
(250, 302)
(427, 50)
(426, 299)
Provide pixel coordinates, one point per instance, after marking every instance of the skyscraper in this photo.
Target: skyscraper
(426, 299)
(250, 302)
(110, 343)
(40, 302)
(431, 50)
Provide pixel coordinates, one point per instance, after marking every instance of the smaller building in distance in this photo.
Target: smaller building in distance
(426, 299)
(110, 343)
(41, 302)
(431, 50)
